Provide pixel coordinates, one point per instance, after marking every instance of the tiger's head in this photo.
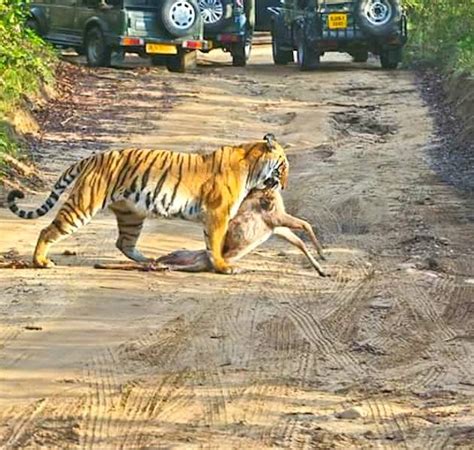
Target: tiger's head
(269, 165)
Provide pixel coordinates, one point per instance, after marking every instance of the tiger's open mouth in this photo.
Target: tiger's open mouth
(273, 182)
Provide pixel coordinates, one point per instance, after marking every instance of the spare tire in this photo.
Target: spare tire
(179, 16)
(378, 17)
(213, 14)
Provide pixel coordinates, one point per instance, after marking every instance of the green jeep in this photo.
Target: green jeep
(166, 30)
(229, 25)
(357, 27)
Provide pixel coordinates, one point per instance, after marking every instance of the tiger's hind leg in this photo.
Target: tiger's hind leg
(67, 221)
(130, 224)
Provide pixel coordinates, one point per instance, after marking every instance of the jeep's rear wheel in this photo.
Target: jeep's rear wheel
(378, 17)
(241, 52)
(33, 25)
(159, 60)
(80, 50)
(179, 16)
(360, 56)
(280, 57)
(308, 57)
(97, 51)
(391, 58)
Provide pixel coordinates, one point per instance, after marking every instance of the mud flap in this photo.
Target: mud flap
(182, 62)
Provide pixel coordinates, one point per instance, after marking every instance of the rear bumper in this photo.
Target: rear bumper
(354, 36)
(236, 31)
(229, 38)
(161, 47)
(314, 27)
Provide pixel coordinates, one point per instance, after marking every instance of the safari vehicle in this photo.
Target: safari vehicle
(313, 27)
(161, 29)
(229, 24)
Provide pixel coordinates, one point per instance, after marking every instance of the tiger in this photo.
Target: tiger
(135, 183)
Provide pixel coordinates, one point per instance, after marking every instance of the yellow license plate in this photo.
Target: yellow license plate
(337, 21)
(162, 49)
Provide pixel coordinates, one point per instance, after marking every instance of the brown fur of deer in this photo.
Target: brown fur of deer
(261, 215)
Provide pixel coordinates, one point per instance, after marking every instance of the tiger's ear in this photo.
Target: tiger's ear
(270, 139)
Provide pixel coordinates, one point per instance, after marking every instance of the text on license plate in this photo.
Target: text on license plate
(163, 49)
(336, 21)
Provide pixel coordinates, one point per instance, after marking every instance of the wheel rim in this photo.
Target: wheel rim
(182, 15)
(378, 12)
(212, 11)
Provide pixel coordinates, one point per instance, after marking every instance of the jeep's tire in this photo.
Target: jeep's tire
(308, 57)
(182, 62)
(98, 53)
(159, 60)
(360, 56)
(80, 51)
(241, 52)
(33, 25)
(179, 16)
(280, 57)
(378, 17)
(213, 14)
(391, 58)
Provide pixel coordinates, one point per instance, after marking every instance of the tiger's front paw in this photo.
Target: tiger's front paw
(224, 269)
(43, 263)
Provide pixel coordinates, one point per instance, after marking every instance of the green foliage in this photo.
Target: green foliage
(442, 33)
(25, 62)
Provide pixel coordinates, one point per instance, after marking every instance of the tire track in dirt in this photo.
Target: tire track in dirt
(137, 399)
(426, 316)
(9, 334)
(147, 404)
(320, 337)
(103, 387)
(284, 336)
(59, 422)
(386, 422)
(327, 345)
(320, 341)
(48, 306)
(432, 439)
(234, 323)
(151, 397)
(21, 423)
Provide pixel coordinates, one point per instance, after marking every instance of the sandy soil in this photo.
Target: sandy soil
(380, 355)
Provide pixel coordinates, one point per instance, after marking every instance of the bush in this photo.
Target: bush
(25, 62)
(441, 33)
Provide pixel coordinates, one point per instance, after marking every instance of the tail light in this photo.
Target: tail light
(197, 45)
(131, 41)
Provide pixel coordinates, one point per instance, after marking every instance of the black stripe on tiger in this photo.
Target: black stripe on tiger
(67, 177)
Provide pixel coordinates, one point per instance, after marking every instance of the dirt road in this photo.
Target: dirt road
(380, 355)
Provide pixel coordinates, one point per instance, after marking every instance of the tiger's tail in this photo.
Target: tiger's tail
(67, 177)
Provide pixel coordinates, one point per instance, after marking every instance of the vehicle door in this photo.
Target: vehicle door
(62, 20)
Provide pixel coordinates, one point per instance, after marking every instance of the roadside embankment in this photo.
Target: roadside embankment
(27, 68)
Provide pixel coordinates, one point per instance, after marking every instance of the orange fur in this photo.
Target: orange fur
(135, 183)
